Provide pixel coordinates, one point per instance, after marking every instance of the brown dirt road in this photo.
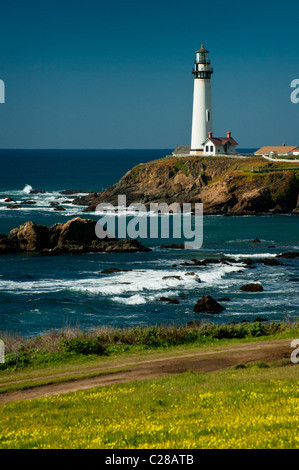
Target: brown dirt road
(205, 360)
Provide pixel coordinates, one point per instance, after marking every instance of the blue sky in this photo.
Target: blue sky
(117, 74)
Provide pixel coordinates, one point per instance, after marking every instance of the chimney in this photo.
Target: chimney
(210, 135)
(228, 135)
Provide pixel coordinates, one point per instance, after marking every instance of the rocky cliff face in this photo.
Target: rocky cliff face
(223, 185)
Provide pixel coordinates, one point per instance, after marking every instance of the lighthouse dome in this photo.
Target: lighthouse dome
(203, 49)
(202, 56)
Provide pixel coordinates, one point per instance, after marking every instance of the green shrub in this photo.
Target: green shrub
(82, 346)
(260, 365)
(14, 360)
(258, 329)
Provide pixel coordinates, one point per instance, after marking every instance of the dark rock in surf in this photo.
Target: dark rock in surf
(269, 262)
(75, 236)
(208, 304)
(169, 300)
(13, 206)
(68, 192)
(114, 270)
(178, 278)
(30, 237)
(254, 287)
(289, 255)
(176, 246)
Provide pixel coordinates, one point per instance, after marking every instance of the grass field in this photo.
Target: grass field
(243, 406)
(252, 407)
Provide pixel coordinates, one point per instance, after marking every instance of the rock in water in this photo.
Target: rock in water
(176, 246)
(270, 262)
(208, 305)
(37, 191)
(114, 270)
(30, 237)
(170, 300)
(75, 236)
(254, 287)
(178, 278)
(289, 255)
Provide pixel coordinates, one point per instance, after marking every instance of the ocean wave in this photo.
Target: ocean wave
(136, 299)
(250, 255)
(148, 282)
(27, 189)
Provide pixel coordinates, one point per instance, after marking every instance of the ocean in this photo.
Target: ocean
(39, 293)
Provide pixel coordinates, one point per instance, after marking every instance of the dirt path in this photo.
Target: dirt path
(199, 361)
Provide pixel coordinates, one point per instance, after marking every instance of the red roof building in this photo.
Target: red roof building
(220, 145)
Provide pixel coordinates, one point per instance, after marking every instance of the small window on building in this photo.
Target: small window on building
(208, 115)
(211, 148)
(207, 148)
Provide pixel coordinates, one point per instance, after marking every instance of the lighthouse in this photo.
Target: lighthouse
(202, 123)
(203, 143)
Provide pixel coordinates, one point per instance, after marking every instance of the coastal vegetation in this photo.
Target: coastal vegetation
(241, 407)
(71, 345)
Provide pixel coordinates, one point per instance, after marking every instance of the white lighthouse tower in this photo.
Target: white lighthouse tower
(202, 123)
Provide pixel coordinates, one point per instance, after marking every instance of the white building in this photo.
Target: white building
(219, 145)
(202, 121)
(202, 140)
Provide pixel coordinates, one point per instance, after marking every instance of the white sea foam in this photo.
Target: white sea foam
(136, 299)
(251, 255)
(150, 284)
(27, 189)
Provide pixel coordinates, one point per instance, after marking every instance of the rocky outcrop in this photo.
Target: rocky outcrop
(254, 287)
(114, 270)
(289, 255)
(75, 236)
(225, 186)
(208, 305)
(174, 246)
(37, 191)
(169, 300)
(30, 237)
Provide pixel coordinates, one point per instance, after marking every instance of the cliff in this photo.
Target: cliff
(224, 185)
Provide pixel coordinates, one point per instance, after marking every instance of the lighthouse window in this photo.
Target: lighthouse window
(208, 115)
